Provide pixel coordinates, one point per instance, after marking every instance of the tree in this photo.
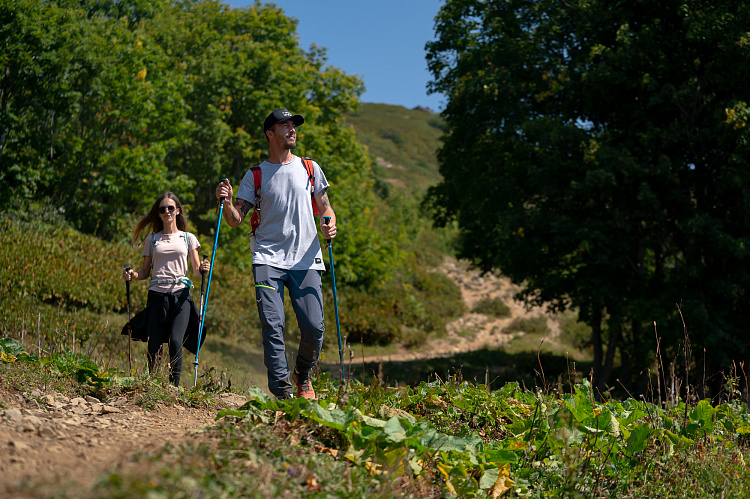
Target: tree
(105, 103)
(87, 127)
(240, 64)
(596, 154)
(27, 75)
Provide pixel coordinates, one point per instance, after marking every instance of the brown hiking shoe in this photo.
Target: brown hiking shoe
(304, 385)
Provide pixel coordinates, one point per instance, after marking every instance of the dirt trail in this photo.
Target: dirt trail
(472, 331)
(76, 439)
(48, 438)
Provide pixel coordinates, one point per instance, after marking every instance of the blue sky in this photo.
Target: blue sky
(380, 40)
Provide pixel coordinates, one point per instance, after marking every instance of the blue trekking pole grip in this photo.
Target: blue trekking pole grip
(204, 305)
(327, 220)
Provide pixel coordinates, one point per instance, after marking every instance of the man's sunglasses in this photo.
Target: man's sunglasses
(164, 209)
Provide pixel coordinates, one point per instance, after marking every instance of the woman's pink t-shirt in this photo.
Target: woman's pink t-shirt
(169, 259)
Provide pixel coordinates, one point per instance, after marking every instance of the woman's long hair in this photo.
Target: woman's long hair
(153, 220)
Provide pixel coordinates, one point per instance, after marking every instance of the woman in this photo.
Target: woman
(166, 251)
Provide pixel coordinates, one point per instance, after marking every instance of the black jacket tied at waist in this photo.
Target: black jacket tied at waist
(165, 302)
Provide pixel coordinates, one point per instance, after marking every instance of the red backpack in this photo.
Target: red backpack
(255, 218)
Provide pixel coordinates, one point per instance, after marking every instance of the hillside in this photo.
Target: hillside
(402, 143)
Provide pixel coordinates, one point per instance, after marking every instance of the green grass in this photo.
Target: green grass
(498, 366)
(77, 374)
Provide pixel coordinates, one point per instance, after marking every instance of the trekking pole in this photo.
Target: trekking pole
(204, 304)
(327, 220)
(203, 285)
(130, 341)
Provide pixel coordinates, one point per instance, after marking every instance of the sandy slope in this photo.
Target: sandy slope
(473, 331)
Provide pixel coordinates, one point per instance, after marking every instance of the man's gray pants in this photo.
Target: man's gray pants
(305, 291)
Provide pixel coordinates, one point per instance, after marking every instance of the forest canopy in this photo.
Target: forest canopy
(104, 104)
(597, 154)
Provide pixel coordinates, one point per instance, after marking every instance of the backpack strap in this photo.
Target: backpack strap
(311, 175)
(153, 242)
(257, 177)
(255, 217)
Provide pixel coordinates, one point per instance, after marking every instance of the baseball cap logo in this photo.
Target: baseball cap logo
(280, 115)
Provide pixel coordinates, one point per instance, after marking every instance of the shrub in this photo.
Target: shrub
(440, 298)
(530, 325)
(494, 307)
(578, 333)
(421, 303)
(369, 317)
(59, 281)
(392, 134)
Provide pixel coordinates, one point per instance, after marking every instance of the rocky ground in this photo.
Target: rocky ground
(48, 438)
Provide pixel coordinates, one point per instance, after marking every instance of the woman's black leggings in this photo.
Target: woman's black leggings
(169, 314)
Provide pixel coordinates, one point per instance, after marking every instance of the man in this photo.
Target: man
(286, 250)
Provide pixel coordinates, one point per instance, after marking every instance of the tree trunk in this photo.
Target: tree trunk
(4, 106)
(615, 333)
(641, 356)
(596, 333)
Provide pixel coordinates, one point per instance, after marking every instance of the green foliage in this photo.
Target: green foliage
(59, 280)
(74, 365)
(99, 128)
(61, 283)
(124, 100)
(41, 259)
(420, 301)
(596, 153)
(371, 316)
(12, 351)
(579, 333)
(466, 441)
(448, 438)
(494, 307)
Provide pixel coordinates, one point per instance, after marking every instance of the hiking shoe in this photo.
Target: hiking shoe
(285, 396)
(304, 385)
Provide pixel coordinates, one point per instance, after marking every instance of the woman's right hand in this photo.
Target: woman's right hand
(224, 190)
(129, 274)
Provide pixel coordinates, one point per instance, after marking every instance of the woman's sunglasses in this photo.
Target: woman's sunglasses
(164, 209)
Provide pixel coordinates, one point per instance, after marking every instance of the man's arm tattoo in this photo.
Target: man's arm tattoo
(243, 206)
(324, 200)
(233, 213)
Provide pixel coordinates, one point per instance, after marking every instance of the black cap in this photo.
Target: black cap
(280, 116)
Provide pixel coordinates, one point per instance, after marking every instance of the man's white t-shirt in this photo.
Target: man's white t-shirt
(287, 237)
